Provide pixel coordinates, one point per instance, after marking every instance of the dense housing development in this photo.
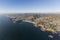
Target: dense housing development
(47, 22)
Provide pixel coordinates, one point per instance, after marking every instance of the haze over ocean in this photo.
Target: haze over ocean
(26, 6)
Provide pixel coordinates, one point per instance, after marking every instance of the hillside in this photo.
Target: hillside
(47, 22)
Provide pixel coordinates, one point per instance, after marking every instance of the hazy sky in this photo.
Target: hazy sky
(19, 6)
